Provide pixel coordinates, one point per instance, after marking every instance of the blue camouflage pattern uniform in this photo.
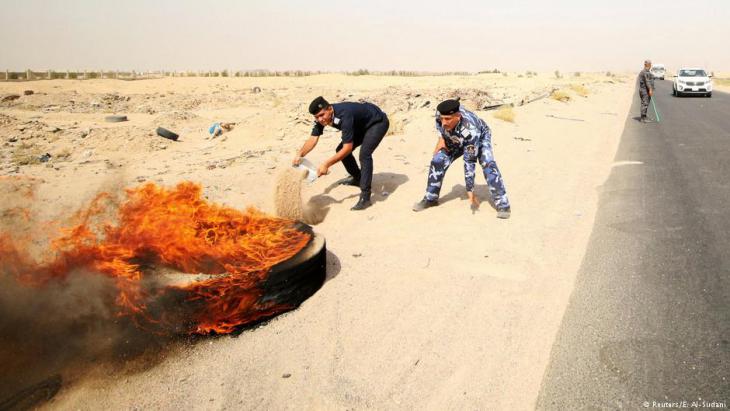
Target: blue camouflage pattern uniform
(472, 139)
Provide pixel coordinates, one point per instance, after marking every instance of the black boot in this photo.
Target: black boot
(350, 181)
(363, 202)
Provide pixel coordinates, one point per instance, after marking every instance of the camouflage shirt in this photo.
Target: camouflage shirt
(646, 81)
(467, 138)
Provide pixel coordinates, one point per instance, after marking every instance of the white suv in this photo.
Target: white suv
(692, 81)
(658, 71)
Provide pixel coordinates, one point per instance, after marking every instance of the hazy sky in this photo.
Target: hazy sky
(468, 35)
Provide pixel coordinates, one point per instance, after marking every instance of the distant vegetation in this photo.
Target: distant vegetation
(560, 95)
(580, 90)
(405, 73)
(505, 113)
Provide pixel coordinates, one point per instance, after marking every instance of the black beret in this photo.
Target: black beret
(448, 107)
(318, 104)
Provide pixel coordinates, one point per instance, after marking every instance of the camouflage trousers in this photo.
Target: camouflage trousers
(443, 159)
(645, 101)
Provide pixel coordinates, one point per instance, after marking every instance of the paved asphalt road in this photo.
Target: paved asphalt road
(648, 322)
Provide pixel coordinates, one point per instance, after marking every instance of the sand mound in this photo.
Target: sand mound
(288, 198)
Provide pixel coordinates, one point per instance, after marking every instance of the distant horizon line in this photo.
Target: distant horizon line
(303, 71)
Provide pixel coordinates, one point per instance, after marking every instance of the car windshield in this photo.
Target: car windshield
(692, 73)
(657, 68)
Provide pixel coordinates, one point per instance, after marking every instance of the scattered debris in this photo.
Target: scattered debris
(563, 118)
(536, 96)
(219, 128)
(9, 97)
(492, 107)
(44, 158)
(115, 119)
(163, 132)
(256, 89)
(560, 95)
(28, 92)
(522, 139)
(286, 375)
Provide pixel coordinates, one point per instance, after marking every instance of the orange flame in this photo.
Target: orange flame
(174, 228)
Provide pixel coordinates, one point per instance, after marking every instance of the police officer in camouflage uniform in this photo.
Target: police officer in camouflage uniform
(462, 133)
(646, 89)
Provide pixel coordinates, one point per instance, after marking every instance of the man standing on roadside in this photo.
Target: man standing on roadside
(462, 133)
(363, 125)
(646, 89)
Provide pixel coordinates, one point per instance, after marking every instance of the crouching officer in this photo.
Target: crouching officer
(462, 133)
(363, 125)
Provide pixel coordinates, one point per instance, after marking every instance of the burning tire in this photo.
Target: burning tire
(179, 264)
(282, 288)
(298, 278)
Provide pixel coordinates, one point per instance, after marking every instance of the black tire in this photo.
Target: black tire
(709, 95)
(163, 132)
(286, 286)
(292, 281)
(674, 92)
(115, 119)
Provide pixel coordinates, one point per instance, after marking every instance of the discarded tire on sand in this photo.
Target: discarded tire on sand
(115, 119)
(163, 132)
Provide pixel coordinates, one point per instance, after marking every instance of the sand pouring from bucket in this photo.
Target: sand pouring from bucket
(310, 168)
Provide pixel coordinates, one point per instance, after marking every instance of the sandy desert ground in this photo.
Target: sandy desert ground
(442, 309)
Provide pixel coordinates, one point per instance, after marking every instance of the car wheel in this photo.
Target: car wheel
(674, 92)
(709, 94)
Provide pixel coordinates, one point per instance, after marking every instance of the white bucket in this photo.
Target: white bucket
(311, 169)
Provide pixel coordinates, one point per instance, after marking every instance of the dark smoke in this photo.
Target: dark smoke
(62, 328)
(58, 331)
